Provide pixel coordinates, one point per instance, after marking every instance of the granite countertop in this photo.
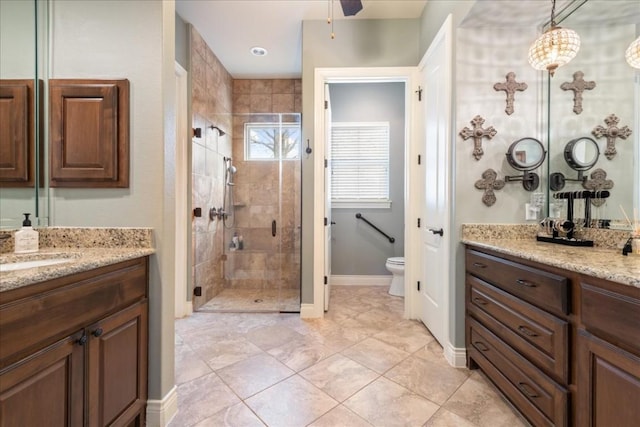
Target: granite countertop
(81, 259)
(85, 248)
(601, 262)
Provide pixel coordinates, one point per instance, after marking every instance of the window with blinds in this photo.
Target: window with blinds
(360, 164)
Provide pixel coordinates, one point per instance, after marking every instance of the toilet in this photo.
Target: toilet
(395, 266)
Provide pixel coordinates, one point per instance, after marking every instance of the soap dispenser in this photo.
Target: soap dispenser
(26, 239)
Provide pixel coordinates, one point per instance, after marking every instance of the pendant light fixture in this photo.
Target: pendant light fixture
(633, 53)
(555, 47)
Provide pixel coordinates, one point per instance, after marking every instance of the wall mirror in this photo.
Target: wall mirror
(525, 155)
(606, 29)
(581, 154)
(23, 32)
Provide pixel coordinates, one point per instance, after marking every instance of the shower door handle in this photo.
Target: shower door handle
(273, 228)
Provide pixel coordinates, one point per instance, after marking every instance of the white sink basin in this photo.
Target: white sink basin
(12, 266)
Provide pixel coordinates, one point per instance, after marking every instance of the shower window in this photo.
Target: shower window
(272, 141)
(360, 165)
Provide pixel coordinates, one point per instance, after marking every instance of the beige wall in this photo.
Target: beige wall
(211, 105)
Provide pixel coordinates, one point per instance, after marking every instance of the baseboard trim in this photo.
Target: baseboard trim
(310, 311)
(161, 412)
(457, 357)
(355, 280)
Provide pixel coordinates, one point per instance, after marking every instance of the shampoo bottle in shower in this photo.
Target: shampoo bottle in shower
(240, 242)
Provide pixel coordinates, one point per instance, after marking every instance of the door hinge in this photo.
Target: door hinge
(326, 163)
(326, 281)
(326, 105)
(419, 159)
(418, 285)
(419, 92)
(326, 222)
(418, 222)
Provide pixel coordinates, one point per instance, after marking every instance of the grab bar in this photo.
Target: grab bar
(391, 239)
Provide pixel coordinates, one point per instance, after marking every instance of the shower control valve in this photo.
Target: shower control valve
(219, 214)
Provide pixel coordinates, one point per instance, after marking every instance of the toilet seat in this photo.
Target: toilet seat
(396, 260)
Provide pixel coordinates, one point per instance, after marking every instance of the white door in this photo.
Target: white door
(435, 71)
(327, 195)
(183, 306)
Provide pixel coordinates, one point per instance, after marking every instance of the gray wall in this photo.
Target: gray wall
(182, 42)
(358, 43)
(134, 40)
(356, 248)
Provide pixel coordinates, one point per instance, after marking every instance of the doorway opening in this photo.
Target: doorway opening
(332, 80)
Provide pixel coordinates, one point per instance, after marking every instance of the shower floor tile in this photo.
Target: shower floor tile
(253, 300)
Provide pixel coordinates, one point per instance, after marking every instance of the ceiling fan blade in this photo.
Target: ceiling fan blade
(351, 7)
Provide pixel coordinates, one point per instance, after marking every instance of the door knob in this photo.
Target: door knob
(434, 231)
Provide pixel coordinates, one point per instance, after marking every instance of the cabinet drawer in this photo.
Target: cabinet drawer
(35, 321)
(540, 288)
(538, 335)
(611, 315)
(538, 397)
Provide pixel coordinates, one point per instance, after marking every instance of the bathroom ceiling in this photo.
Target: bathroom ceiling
(232, 27)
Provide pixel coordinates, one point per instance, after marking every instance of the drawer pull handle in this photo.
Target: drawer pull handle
(527, 331)
(525, 283)
(82, 340)
(97, 332)
(480, 301)
(527, 389)
(480, 346)
(479, 265)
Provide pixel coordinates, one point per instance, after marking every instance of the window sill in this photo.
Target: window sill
(360, 204)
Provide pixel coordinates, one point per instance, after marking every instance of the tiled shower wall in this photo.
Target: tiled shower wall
(261, 196)
(214, 97)
(211, 104)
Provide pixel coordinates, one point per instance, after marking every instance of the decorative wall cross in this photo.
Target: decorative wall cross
(578, 86)
(477, 133)
(598, 182)
(612, 131)
(488, 183)
(510, 87)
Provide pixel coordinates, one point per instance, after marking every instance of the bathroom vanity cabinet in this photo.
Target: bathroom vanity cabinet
(73, 350)
(562, 346)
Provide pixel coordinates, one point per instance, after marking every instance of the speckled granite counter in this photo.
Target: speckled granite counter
(85, 248)
(599, 262)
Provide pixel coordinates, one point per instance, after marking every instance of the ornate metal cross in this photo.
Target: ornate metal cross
(488, 183)
(598, 182)
(612, 131)
(510, 87)
(578, 86)
(477, 133)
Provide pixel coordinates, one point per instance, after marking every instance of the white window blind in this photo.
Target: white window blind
(360, 162)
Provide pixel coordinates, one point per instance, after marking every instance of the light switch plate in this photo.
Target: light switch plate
(530, 213)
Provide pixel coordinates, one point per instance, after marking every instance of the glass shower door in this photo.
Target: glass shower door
(262, 248)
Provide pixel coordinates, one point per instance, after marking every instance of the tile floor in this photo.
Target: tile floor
(254, 300)
(362, 365)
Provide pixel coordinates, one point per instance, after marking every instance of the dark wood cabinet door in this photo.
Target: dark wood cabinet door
(45, 389)
(117, 371)
(608, 384)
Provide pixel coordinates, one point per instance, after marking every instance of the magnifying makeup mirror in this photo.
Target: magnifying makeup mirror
(525, 155)
(581, 154)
